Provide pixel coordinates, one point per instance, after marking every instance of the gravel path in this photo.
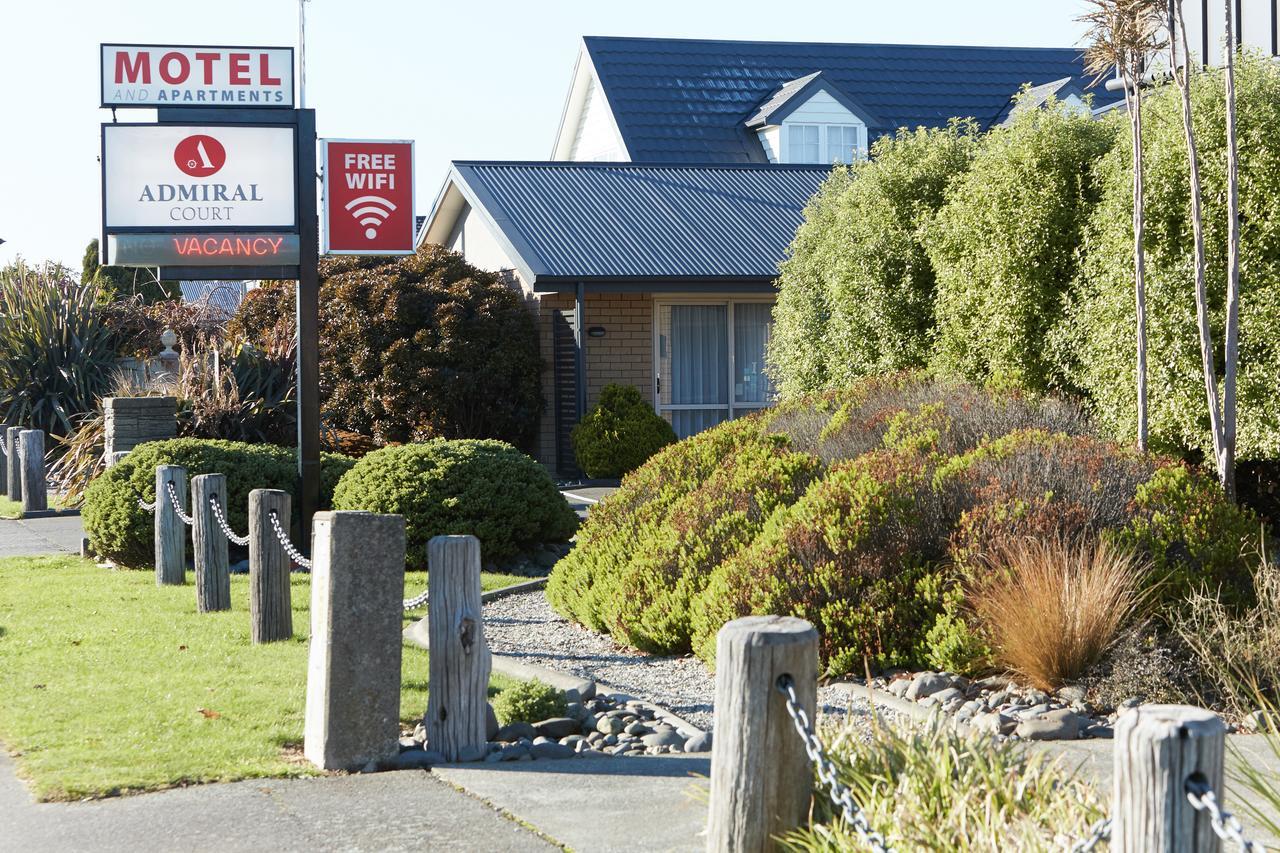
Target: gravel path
(525, 627)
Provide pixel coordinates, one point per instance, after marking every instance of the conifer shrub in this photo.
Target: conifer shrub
(481, 487)
(529, 702)
(122, 531)
(619, 433)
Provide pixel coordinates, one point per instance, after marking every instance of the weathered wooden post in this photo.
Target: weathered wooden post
(4, 461)
(457, 687)
(761, 779)
(35, 492)
(1158, 748)
(171, 532)
(115, 457)
(213, 565)
(14, 478)
(353, 668)
(270, 604)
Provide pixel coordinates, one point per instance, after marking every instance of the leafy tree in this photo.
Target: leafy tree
(1187, 232)
(1004, 247)
(125, 281)
(856, 293)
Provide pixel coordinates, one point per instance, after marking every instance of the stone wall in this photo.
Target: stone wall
(130, 421)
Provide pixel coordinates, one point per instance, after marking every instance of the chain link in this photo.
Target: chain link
(1098, 833)
(222, 522)
(149, 507)
(286, 544)
(1224, 823)
(177, 506)
(416, 601)
(840, 795)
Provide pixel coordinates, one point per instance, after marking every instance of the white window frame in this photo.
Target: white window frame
(853, 152)
(858, 151)
(792, 128)
(734, 408)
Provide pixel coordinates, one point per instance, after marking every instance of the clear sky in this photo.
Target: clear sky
(465, 79)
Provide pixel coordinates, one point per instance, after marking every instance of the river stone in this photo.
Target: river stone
(551, 749)
(576, 710)
(926, 684)
(1070, 694)
(610, 725)
(573, 740)
(993, 723)
(557, 727)
(407, 743)
(416, 759)
(637, 728)
(951, 694)
(701, 742)
(1051, 726)
(515, 731)
(1099, 730)
(667, 737)
(474, 752)
(898, 687)
(514, 752)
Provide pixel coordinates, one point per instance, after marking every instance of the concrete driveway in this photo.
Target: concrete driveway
(48, 534)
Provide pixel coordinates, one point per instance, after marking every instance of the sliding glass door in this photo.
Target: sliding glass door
(710, 361)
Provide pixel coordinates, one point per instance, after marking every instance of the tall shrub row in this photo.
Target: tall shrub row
(1021, 267)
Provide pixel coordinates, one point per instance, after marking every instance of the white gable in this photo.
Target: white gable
(587, 127)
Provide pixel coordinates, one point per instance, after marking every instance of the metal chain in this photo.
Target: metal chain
(1224, 823)
(149, 507)
(286, 544)
(177, 507)
(222, 522)
(1098, 833)
(840, 795)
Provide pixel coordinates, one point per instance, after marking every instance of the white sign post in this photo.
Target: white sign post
(165, 177)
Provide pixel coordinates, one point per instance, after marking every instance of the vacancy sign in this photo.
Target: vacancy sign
(368, 197)
(153, 75)
(165, 177)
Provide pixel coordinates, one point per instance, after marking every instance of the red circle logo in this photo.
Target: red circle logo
(199, 156)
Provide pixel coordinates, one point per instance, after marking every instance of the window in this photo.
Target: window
(842, 143)
(802, 143)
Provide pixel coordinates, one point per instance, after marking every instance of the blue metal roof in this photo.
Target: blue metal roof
(686, 100)
(566, 222)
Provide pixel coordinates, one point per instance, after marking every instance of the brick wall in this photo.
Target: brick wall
(623, 356)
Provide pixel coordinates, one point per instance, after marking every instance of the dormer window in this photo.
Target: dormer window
(810, 120)
(802, 143)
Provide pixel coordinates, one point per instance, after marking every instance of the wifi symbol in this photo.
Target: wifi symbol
(374, 212)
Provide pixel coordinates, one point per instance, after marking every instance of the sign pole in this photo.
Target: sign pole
(308, 323)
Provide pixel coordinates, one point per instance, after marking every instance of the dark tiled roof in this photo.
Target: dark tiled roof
(573, 221)
(681, 100)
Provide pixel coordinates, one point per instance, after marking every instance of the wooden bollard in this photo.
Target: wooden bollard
(170, 531)
(761, 779)
(35, 491)
(213, 565)
(353, 663)
(460, 663)
(116, 457)
(270, 604)
(13, 477)
(4, 461)
(1157, 749)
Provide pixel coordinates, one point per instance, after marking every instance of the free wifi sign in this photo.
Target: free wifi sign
(368, 197)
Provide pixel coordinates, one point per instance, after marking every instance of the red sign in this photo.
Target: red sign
(368, 197)
(199, 156)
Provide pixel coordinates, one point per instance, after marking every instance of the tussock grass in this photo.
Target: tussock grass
(1051, 607)
(105, 681)
(930, 788)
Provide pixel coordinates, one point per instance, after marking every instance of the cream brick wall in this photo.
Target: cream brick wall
(623, 356)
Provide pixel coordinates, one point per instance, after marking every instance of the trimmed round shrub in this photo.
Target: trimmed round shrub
(124, 532)
(415, 348)
(480, 487)
(855, 294)
(619, 433)
(529, 702)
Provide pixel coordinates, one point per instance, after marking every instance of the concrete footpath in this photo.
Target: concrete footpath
(408, 810)
(51, 534)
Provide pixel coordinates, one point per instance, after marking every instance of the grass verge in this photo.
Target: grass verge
(113, 685)
(10, 509)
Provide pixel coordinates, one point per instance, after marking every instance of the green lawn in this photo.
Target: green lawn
(10, 508)
(109, 684)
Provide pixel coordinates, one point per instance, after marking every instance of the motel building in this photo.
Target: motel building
(648, 244)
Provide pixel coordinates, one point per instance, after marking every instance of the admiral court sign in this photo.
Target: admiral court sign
(151, 75)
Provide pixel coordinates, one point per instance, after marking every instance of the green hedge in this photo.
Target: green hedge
(865, 510)
(619, 433)
(122, 531)
(484, 487)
